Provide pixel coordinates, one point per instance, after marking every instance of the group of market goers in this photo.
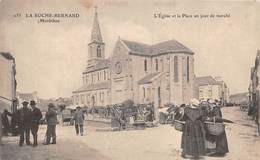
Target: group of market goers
(27, 119)
(196, 140)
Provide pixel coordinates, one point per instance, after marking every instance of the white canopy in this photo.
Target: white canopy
(71, 107)
(164, 110)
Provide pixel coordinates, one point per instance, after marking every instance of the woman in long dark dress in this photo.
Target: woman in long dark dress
(221, 140)
(193, 141)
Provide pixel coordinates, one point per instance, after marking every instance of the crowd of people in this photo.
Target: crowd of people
(196, 139)
(27, 120)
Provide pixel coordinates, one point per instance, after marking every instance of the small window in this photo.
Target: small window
(176, 74)
(98, 76)
(105, 76)
(210, 93)
(98, 51)
(82, 99)
(162, 64)
(156, 64)
(143, 92)
(145, 65)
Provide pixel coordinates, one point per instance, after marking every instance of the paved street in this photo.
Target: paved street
(162, 142)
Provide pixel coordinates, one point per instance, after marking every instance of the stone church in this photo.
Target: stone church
(160, 73)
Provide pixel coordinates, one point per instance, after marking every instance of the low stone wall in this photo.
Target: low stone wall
(97, 118)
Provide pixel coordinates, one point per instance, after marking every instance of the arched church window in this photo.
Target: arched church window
(188, 69)
(156, 64)
(145, 65)
(176, 74)
(162, 64)
(143, 92)
(98, 51)
(105, 77)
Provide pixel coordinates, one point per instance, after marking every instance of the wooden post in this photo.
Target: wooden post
(1, 128)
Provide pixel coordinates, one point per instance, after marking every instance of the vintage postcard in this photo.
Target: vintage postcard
(129, 80)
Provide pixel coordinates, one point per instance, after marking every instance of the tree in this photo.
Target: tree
(128, 103)
(61, 107)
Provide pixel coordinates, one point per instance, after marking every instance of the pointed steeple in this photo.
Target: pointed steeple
(96, 34)
(96, 47)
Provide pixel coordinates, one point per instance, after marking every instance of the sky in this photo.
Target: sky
(50, 57)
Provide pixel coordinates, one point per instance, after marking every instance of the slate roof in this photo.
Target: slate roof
(99, 66)
(171, 46)
(148, 78)
(206, 80)
(95, 86)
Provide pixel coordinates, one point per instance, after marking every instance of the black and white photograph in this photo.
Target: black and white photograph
(129, 80)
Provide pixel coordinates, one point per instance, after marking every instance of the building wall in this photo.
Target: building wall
(98, 97)
(139, 73)
(127, 69)
(146, 94)
(120, 74)
(6, 83)
(181, 90)
(95, 77)
(210, 92)
(241, 99)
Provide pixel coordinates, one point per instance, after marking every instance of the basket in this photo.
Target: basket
(215, 128)
(178, 125)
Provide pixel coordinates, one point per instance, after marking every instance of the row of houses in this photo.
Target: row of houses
(41, 103)
(208, 87)
(254, 90)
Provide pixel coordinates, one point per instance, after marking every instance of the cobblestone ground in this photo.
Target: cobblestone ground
(67, 148)
(161, 142)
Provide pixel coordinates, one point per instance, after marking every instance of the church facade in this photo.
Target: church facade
(161, 73)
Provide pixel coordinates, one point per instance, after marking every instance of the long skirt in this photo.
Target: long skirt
(193, 141)
(221, 144)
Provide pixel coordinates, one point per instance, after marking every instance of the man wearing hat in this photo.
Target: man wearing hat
(24, 123)
(36, 116)
(51, 118)
(79, 121)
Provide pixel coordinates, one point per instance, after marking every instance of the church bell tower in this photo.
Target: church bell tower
(96, 47)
